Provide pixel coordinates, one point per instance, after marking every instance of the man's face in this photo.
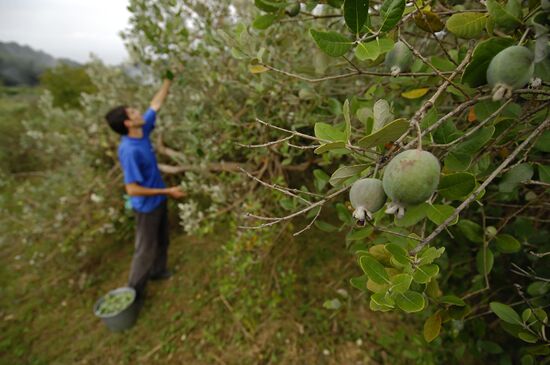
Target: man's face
(135, 117)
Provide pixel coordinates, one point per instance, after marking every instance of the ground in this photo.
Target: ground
(46, 311)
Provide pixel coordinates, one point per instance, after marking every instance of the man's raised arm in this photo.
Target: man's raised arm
(160, 96)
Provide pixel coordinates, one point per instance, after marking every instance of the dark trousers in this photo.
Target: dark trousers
(151, 248)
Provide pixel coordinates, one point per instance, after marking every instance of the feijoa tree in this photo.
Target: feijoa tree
(441, 109)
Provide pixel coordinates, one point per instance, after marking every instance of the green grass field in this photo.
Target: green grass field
(47, 317)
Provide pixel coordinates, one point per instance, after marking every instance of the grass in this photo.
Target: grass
(46, 315)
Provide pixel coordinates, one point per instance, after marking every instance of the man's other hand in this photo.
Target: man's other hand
(175, 192)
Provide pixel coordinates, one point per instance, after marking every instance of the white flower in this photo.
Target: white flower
(96, 198)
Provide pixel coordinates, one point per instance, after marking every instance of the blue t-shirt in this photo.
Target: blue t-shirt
(139, 165)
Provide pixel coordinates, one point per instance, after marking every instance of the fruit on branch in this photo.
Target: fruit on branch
(366, 197)
(293, 10)
(410, 178)
(399, 59)
(511, 69)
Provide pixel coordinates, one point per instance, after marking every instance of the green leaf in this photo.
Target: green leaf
(391, 13)
(321, 179)
(486, 264)
(475, 73)
(344, 173)
(528, 337)
(505, 312)
(432, 327)
(467, 25)
(359, 234)
(356, 13)
(429, 21)
(264, 21)
(456, 186)
(544, 173)
(325, 227)
(452, 300)
(415, 93)
(328, 132)
(389, 133)
(398, 253)
(400, 283)
(471, 230)
(460, 156)
(381, 302)
(329, 147)
(543, 142)
(410, 301)
(502, 15)
(257, 69)
(372, 50)
(343, 213)
(333, 304)
(381, 114)
(447, 132)
(359, 282)
(374, 270)
(507, 244)
(537, 288)
(515, 176)
(269, 6)
(438, 213)
(430, 254)
(413, 215)
(489, 347)
(332, 43)
(527, 359)
(424, 274)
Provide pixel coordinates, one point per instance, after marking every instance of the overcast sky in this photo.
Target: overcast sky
(67, 28)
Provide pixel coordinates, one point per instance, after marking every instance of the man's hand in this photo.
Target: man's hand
(175, 192)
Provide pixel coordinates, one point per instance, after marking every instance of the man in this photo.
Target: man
(146, 188)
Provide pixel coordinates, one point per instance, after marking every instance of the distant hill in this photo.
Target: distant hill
(22, 65)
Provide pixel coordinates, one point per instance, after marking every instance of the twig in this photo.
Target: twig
(392, 232)
(487, 181)
(350, 74)
(266, 144)
(521, 272)
(295, 214)
(539, 254)
(310, 223)
(275, 187)
(476, 128)
(447, 116)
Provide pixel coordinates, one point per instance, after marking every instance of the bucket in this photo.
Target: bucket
(124, 318)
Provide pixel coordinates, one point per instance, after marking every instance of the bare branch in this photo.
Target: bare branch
(295, 214)
(266, 144)
(275, 187)
(350, 74)
(477, 127)
(310, 223)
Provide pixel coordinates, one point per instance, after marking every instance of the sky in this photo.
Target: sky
(67, 28)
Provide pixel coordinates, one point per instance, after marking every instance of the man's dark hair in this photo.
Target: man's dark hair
(116, 117)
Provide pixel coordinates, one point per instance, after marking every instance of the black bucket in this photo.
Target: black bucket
(123, 319)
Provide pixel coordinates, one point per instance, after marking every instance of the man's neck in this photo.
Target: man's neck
(135, 132)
